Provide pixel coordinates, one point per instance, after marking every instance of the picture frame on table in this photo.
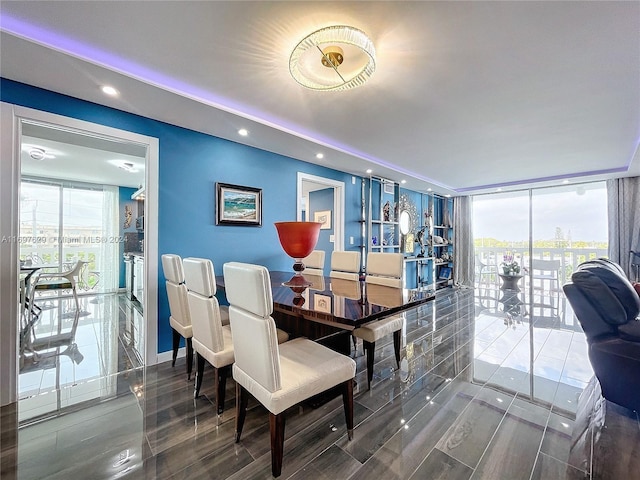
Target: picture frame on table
(322, 303)
(324, 217)
(238, 205)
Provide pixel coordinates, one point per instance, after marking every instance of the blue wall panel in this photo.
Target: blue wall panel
(190, 164)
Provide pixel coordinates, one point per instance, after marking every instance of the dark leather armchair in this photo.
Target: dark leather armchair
(607, 307)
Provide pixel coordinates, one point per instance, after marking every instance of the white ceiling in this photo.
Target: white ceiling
(466, 97)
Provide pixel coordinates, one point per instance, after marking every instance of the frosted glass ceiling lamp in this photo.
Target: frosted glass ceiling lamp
(333, 58)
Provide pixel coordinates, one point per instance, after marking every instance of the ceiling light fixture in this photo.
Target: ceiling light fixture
(109, 90)
(369, 170)
(403, 181)
(333, 58)
(37, 153)
(319, 156)
(243, 132)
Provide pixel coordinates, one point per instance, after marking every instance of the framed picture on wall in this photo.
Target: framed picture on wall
(324, 217)
(238, 205)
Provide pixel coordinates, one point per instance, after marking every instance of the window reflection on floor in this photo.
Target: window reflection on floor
(57, 374)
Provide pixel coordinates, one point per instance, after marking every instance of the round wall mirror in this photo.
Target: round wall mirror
(405, 222)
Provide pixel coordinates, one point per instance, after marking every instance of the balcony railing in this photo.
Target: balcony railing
(569, 258)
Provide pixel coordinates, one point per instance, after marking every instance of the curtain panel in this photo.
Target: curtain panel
(463, 249)
(623, 205)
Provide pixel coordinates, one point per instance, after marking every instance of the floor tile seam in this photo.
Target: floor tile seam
(426, 372)
(495, 432)
(334, 444)
(211, 454)
(432, 401)
(457, 460)
(539, 451)
(410, 477)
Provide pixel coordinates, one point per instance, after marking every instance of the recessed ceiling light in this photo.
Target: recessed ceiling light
(319, 156)
(369, 170)
(498, 189)
(403, 181)
(109, 90)
(565, 181)
(428, 189)
(243, 132)
(448, 195)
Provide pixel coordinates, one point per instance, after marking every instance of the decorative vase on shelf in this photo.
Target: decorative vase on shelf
(298, 239)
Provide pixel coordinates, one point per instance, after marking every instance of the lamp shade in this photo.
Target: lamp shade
(298, 239)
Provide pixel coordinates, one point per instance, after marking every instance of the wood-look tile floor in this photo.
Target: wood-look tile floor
(480, 394)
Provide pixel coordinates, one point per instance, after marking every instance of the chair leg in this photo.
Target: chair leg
(176, 345)
(355, 345)
(242, 398)
(347, 400)
(276, 426)
(220, 385)
(199, 373)
(189, 358)
(369, 348)
(396, 345)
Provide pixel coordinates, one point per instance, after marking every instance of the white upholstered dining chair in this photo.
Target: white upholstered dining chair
(211, 340)
(278, 376)
(345, 265)
(385, 269)
(314, 263)
(179, 317)
(372, 332)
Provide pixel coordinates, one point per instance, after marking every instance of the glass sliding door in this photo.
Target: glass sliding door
(527, 245)
(63, 222)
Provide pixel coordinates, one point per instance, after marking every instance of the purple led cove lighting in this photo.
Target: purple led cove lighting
(116, 63)
(543, 179)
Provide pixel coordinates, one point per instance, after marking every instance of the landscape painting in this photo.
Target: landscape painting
(238, 205)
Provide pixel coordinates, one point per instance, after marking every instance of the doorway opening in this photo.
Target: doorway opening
(319, 197)
(67, 184)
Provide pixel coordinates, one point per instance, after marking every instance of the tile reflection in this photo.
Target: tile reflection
(475, 397)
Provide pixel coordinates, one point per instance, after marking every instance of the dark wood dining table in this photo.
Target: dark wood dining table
(329, 309)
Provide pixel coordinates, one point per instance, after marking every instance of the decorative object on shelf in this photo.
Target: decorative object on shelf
(298, 239)
(428, 218)
(386, 212)
(324, 217)
(319, 61)
(374, 240)
(409, 243)
(238, 205)
(509, 265)
(420, 239)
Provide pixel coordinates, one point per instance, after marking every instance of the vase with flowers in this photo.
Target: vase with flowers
(509, 265)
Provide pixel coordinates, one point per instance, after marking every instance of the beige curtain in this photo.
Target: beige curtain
(463, 251)
(623, 200)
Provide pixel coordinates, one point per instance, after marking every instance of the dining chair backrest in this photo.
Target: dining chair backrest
(204, 309)
(314, 263)
(176, 289)
(385, 268)
(346, 288)
(384, 296)
(345, 265)
(255, 343)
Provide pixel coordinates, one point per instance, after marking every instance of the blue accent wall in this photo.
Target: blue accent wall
(190, 164)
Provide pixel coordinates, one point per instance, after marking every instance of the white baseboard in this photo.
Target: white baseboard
(168, 355)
